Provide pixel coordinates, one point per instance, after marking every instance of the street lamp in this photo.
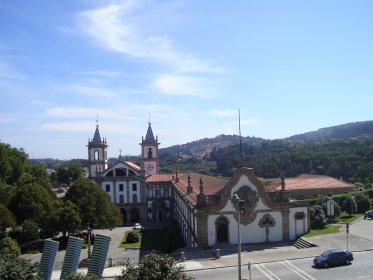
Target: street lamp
(240, 209)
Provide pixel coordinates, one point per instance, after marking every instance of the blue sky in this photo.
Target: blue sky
(290, 66)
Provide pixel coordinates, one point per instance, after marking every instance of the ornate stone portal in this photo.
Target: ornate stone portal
(250, 199)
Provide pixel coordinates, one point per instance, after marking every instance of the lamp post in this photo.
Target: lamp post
(240, 207)
(89, 240)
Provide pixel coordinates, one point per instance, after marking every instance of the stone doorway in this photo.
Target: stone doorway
(222, 230)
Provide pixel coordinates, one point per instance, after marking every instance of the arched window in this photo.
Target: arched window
(134, 198)
(96, 155)
(150, 153)
(121, 198)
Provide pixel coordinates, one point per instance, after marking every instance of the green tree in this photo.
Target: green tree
(16, 268)
(317, 217)
(9, 246)
(13, 163)
(350, 205)
(64, 217)
(95, 206)
(155, 267)
(362, 202)
(68, 174)
(7, 219)
(32, 202)
(29, 231)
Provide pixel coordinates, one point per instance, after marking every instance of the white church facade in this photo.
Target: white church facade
(205, 206)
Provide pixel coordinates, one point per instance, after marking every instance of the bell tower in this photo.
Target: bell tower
(149, 153)
(97, 154)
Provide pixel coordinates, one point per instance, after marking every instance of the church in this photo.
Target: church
(209, 209)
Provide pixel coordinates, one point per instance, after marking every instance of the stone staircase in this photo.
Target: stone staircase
(303, 244)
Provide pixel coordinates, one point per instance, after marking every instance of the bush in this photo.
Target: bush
(155, 267)
(13, 267)
(350, 205)
(317, 217)
(363, 203)
(133, 237)
(80, 276)
(9, 246)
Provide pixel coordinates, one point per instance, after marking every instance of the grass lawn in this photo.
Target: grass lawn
(346, 218)
(326, 230)
(149, 238)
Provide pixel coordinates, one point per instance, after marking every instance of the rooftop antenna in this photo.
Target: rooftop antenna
(239, 129)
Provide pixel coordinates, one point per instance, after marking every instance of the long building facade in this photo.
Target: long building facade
(207, 208)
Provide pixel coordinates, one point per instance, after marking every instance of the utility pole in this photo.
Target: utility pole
(240, 207)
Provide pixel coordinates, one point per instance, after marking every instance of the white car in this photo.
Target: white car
(137, 226)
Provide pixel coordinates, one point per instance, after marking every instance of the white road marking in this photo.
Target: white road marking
(267, 272)
(297, 270)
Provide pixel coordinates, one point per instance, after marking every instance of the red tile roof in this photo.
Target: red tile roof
(134, 166)
(211, 185)
(309, 181)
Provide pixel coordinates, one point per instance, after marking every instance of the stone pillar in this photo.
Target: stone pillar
(285, 224)
(202, 230)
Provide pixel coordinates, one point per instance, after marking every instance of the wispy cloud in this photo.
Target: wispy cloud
(118, 28)
(171, 84)
(103, 73)
(90, 90)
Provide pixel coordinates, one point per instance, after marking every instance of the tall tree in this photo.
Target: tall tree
(64, 217)
(95, 206)
(32, 202)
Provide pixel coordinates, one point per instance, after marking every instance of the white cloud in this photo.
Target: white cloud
(118, 28)
(103, 73)
(171, 84)
(90, 90)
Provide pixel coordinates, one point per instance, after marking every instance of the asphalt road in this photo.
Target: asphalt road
(301, 269)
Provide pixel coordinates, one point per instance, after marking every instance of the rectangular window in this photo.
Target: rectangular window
(134, 187)
(121, 187)
(107, 187)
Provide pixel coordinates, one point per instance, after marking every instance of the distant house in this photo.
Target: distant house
(309, 185)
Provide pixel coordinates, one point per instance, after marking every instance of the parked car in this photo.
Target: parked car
(368, 214)
(137, 226)
(333, 257)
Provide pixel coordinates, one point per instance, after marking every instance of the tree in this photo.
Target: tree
(350, 205)
(13, 163)
(317, 217)
(7, 219)
(16, 268)
(31, 202)
(68, 174)
(95, 206)
(155, 267)
(363, 203)
(29, 231)
(64, 217)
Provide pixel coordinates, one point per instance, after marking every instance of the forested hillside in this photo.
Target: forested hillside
(342, 151)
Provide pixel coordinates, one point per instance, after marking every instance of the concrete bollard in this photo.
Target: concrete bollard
(217, 253)
(182, 256)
